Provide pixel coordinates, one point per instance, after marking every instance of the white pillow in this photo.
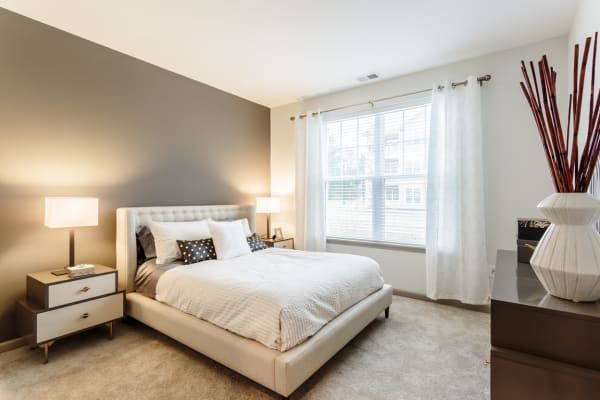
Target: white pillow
(229, 238)
(166, 235)
(246, 226)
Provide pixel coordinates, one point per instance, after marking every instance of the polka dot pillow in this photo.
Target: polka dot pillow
(193, 251)
(255, 243)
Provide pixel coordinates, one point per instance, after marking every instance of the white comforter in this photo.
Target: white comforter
(278, 297)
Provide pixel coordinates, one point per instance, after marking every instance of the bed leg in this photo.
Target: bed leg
(387, 313)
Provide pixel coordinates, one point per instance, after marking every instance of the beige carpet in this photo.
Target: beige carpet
(424, 351)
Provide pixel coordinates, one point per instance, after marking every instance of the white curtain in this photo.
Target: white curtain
(310, 183)
(456, 257)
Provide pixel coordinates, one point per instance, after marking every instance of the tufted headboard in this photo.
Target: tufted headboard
(130, 220)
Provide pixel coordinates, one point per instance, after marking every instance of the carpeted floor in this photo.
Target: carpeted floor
(424, 351)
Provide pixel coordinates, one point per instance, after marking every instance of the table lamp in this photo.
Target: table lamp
(71, 212)
(268, 205)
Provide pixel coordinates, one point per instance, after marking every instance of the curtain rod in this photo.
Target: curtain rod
(480, 79)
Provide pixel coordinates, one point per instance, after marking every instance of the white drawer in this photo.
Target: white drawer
(80, 289)
(284, 244)
(64, 320)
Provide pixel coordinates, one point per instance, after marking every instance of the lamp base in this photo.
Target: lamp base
(268, 225)
(71, 247)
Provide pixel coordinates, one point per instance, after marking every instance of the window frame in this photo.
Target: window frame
(379, 176)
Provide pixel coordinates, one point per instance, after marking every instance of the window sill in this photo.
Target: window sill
(378, 245)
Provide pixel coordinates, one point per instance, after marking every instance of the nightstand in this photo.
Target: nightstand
(59, 306)
(287, 243)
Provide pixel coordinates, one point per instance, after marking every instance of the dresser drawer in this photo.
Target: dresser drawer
(558, 336)
(284, 244)
(61, 321)
(80, 289)
(521, 376)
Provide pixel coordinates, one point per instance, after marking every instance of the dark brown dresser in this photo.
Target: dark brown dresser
(542, 347)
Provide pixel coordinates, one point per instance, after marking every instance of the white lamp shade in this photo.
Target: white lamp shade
(71, 212)
(268, 205)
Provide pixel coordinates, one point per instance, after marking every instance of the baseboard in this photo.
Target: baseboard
(14, 343)
(485, 308)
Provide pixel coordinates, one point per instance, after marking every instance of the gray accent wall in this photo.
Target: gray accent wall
(79, 119)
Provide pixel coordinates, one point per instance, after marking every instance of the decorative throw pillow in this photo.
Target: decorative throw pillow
(255, 243)
(146, 241)
(229, 238)
(141, 258)
(194, 251)
(166, 235)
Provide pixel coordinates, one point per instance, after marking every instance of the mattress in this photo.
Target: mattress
(278, 297)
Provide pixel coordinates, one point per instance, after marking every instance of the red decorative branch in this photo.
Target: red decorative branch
(570, 172)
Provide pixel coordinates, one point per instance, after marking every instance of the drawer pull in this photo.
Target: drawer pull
(85, 315)
(85, 289)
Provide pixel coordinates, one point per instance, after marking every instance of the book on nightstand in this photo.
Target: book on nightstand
(80, 270)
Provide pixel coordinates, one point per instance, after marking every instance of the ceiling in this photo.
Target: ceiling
(275, 52)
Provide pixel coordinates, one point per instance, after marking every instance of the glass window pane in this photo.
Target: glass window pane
(390, 166)
(381, 154)
(366, 161)
(349, 162)
(350, 133)
(393, 125)
(414, 120)
(366, 130)
(404, 212)
(349, 209)
(334, 138)
(334, 162)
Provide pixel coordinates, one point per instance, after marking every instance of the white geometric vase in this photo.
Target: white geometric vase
(567, 258)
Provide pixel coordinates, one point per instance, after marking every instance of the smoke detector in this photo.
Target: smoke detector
(368, 77)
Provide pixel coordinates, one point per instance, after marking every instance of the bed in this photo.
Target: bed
(281, 371)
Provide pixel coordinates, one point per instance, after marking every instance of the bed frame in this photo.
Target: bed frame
(282, 372)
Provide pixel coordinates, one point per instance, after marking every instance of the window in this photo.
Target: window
(413, 195)
(376, 174)
(392, 192)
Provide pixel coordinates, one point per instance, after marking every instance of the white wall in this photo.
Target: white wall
(515, 169)
(585, 23)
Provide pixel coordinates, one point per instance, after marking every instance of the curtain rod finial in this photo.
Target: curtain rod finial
(484, 78)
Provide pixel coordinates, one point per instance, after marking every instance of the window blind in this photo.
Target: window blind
(376, 171)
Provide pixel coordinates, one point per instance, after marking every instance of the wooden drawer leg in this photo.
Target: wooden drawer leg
(45, 347)
(110, 330)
